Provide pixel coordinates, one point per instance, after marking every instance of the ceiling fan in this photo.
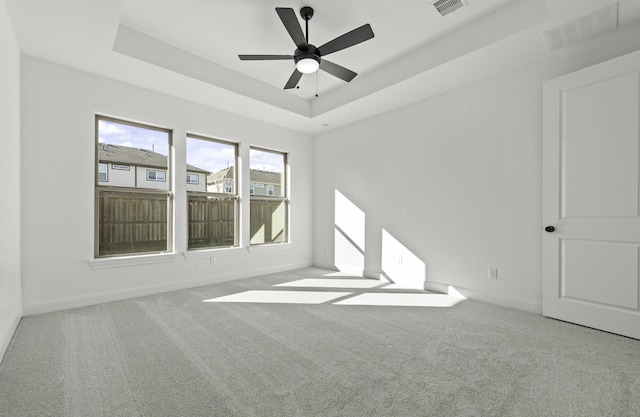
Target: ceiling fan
(307, 57)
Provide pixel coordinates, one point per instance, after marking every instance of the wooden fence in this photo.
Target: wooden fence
(132, 223)
(211, 222)
(137, 222)
(267, 221)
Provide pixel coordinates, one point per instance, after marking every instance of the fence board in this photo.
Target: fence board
(138, 222)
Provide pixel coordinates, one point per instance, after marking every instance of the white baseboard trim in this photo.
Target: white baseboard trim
(8, 333)
(49, 306)
(368, 273)
(324, 265)
(345, 269)
(518, 303)
(524, 304)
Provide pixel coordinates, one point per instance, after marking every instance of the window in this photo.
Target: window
(213, 205)
(133, 215)
(155, 175)
(103, 172)
(269, 212)
(193, 179)
(252, 189)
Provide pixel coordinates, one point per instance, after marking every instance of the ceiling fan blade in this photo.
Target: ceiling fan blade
(290, 22)
(293, 80)
(263, 57)
(361, 34)
(337, 70)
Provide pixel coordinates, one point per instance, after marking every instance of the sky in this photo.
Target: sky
(209, 155)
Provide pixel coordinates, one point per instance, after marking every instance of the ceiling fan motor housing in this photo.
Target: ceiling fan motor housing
(307, 61)
(312, 53)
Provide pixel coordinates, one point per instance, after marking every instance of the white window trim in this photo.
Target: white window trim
(286, 198)
(221, 186)
(136, 258)
(210, 252)
(265, 247)
(130, 260)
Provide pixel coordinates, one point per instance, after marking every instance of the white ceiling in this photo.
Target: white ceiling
(189, 49)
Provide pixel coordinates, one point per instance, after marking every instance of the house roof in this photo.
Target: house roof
(255, 175)
(264, 176)
(125, 155)
(223, 174)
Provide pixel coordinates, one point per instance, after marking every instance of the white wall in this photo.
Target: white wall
(452, 185)
(10, 291)
(58, 107)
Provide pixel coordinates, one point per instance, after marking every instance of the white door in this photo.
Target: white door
(591, 197)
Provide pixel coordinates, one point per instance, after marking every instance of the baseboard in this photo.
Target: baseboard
(368, 273)
(491, 298)
(324, 265)
(518, 303)
(49, 306)
(345, 269)
(9, 332)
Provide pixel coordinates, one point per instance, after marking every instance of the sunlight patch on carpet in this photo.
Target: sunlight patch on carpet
(332, 283)
(401, 300)
(279, 297)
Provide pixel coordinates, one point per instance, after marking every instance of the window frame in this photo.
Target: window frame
(197, 177)
(284, 198)
(156, 172)
(222, 196)
(106, 171)
(99, 188)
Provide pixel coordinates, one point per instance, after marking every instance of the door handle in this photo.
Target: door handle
(549, 229)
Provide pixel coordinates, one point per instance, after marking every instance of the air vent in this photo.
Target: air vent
(582, 28)
(445, 7)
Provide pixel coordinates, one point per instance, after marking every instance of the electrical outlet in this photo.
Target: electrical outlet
(400, 260)
(492, 273)
(212, 260)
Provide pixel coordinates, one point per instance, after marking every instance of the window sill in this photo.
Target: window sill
(268, 247)
(206, 253)
(116, 262)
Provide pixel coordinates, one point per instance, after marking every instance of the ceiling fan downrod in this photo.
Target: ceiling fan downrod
(306, 13)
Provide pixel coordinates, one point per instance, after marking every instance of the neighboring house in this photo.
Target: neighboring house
(221, 181)
(260, 182)
(123, 166)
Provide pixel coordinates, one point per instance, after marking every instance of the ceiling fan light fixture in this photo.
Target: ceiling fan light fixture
(307, 57)
(308, 64)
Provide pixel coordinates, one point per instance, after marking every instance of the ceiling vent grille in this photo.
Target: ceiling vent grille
(445, 7)
(582, 28)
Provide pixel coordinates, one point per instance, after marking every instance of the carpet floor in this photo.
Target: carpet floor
(312, 342)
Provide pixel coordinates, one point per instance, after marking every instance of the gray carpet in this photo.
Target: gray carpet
(175, 355)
